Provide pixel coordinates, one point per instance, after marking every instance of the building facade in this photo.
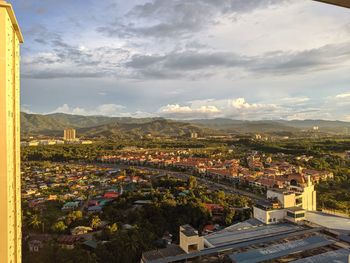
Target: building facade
(10, 188)
(69, 135)
(286, 204)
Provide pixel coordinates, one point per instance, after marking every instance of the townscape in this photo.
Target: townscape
(153, 131)
(136, 199)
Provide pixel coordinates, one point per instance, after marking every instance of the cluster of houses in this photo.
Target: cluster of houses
(85, 188)
(74, 185)
(255, 171)
(101, 186)
(42, 181)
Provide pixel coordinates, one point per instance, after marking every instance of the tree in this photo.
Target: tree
(59, 227)
(35, 221)
(111, 229)
(229, 216)
(95, 222)
(73, 216)
(192, 182)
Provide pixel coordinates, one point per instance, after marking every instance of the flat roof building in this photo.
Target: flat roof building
(286, 204)
(252, 241)
(285, 228)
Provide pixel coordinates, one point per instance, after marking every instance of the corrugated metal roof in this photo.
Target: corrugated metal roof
(280, 250)
(248, 232)
(337, 256)
(236, 245)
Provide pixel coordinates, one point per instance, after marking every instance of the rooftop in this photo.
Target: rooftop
(280, 250)
(329, 221)
(295, 209)
(249, 231)
(12, 16)
(189, 230)
(340, 255)
(169, 251)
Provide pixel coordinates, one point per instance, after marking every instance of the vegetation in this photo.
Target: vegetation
(118, 127)
(326, 153)
(165, 214)
(108, 128)
(170, 202)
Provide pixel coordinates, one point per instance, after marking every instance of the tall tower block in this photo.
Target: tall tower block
(10, 181)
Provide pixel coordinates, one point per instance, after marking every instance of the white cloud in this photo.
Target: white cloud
(110, 110)
(289, 108)
(189, 112)
(175, 108)
(235, 108)
(295, 100)
(103, 110)
(255, 57)
(343, 96)
(241, 103)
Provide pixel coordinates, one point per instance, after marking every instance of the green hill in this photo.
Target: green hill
(158, 127)
(121, 127)
(241, 126)
(273, 126)
(106, 127)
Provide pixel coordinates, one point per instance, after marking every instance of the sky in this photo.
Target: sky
(185, 59)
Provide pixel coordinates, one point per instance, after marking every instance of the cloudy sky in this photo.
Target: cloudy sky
(241, 59)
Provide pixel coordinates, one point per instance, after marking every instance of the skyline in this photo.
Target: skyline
(179, 59)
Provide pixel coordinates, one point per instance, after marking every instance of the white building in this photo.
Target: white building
(286, 204)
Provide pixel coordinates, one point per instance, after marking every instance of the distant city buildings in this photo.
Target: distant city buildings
(48, 142)
(69, 135)
(194, 135)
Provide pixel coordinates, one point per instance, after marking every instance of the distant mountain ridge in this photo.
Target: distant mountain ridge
(107, 127)
(117, 127)
(273, 125)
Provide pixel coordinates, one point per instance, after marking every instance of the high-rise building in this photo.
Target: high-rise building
(10, 188)
(69, 135)
(194, 135)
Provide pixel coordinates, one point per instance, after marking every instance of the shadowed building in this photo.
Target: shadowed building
(10, 188)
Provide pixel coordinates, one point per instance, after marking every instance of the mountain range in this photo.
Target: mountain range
(121, 127)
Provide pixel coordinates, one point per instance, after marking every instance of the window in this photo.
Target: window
(300, 215)
(289, 214)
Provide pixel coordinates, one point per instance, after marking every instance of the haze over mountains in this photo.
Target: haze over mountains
(115, 127)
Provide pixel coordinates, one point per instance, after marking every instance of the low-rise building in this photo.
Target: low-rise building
(286, 204)
(70, 206)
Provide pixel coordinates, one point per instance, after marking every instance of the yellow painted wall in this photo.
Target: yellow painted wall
(10, 188)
